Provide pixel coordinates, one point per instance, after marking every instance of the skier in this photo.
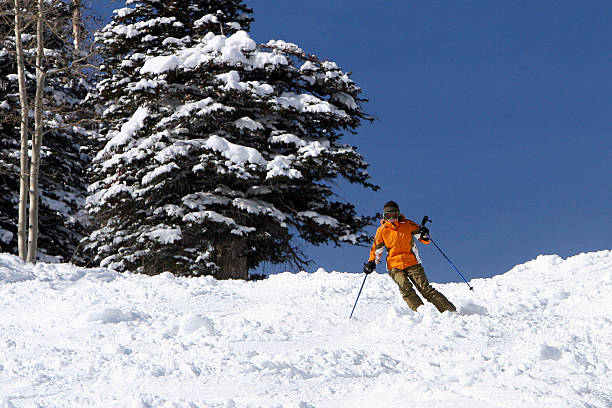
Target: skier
(397, 234)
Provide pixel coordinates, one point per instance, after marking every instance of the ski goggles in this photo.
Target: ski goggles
(391, 215)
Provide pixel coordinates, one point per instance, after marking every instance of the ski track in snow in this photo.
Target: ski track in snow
(539, 335)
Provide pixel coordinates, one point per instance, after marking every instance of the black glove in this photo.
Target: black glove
(424, 231)
(369, 267)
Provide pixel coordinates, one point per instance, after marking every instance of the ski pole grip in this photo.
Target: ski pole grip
(425, 220)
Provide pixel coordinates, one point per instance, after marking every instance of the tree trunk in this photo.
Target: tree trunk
(23, 99)
(231, 262)
(76, 26)
(38, 134)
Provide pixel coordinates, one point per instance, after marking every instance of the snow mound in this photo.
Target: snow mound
(13, 270)
(536, 336)
(112, 315)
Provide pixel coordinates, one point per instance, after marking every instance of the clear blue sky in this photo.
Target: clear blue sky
(494, 118)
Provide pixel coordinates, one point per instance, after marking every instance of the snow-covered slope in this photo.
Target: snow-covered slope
(539, 335)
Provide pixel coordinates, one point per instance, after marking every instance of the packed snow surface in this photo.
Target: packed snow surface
(539, 335)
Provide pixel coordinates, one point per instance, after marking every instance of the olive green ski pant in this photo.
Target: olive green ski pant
(415, 275)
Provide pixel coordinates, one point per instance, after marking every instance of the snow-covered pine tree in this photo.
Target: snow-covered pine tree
(219, 153)
(151, 28)
(62, 185)
(9, 145)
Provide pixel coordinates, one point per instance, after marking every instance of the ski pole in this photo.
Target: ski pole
(425, 220)
(359, 294)
(452, 264)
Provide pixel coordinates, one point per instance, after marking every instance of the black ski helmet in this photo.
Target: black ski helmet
(391, 206)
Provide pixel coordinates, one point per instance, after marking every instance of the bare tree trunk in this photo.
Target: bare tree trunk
(38, 134)
(23, 98)
(232, 263)
(76, 26)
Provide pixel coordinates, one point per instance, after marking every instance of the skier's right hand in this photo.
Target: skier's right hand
(369, 267)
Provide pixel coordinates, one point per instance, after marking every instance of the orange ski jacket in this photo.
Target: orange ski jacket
(399, 240)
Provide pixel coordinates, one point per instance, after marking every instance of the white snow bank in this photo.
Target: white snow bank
(537, 336)
(112, 315)
(13, 270)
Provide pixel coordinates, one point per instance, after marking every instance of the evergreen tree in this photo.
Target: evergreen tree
(62, 185)
(9, 146)
(152, 28)
(219, 153)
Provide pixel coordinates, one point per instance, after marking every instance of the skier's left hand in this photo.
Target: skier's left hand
(424, 231)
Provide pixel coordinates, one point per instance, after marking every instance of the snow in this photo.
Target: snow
(288, 138)
(314, 149)
(152, 175)
(122, 12)
(233, 25)
(53, 205)
(158, 65)
(112, 315)
(133, 30)
(176, 41)
(248, 123)
(309, 66)
(307, 103)
(144, 84)
(128, 130)
(285, 46)
(235, 153)
(170, 210)
(281, 166)
(318, 218)
(201, 200)
(127, 31)
(537, 336)
(199, 216)
(255, 206)
(202, 107)
(345, 100)
(207, 19)
(233, 50)
(102, 196)
(240, 40)
(164, 234)
(306, 148)
(5, 236)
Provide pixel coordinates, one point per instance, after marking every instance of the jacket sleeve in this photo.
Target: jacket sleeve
(377, 247)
